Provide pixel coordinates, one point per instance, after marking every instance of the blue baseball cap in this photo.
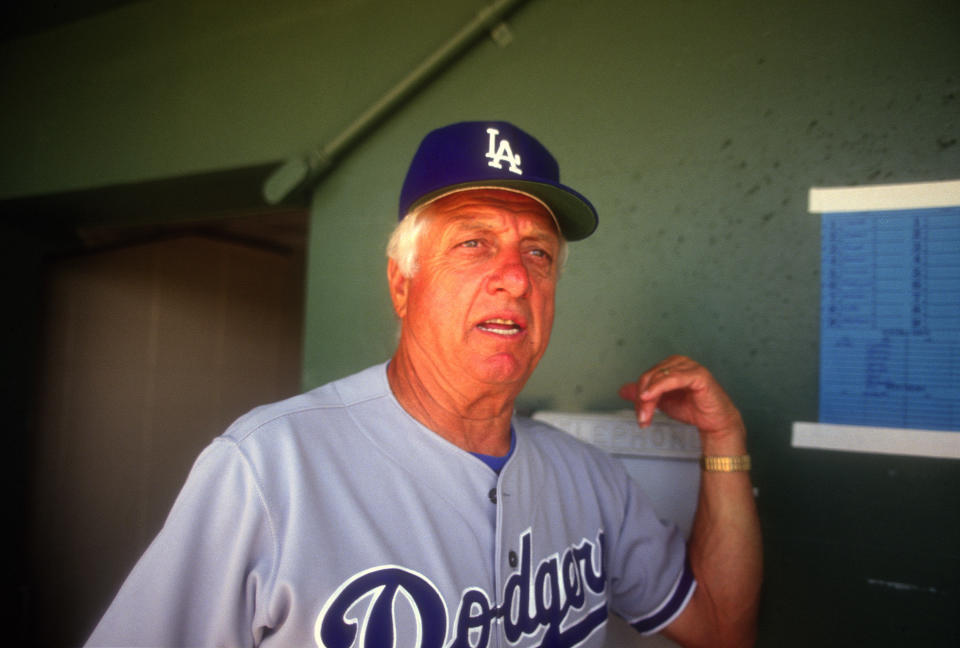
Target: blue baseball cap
(470, 155)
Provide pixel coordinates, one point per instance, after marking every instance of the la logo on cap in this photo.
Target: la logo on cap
(503, 153)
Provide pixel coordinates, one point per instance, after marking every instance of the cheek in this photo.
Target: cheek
(545, 306)
(438, 302)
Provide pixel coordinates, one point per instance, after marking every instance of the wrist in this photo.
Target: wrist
(728, 442)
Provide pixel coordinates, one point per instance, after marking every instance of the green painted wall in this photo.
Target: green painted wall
(697, 129)
(157, 89)
(695, 126)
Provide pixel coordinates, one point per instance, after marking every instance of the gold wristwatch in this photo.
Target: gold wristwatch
(738, 463)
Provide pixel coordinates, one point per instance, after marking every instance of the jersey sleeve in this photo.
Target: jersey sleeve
(204, 580)
(652, 581)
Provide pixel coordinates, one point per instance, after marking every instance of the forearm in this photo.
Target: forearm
(725, 548)
(725, 545)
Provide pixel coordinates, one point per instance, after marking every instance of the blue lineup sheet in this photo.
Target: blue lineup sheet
(890, 318)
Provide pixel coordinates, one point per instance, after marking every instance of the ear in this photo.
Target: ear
(399, 286)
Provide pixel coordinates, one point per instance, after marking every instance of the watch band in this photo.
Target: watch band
(738, 463)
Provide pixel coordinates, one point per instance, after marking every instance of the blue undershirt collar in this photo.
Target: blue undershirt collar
(497, 463)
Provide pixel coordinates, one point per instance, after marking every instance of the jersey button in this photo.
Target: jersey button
(493, 495)
(512, 558)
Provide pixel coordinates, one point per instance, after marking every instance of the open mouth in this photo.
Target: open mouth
(498, 326)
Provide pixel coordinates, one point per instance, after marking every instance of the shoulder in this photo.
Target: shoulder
(329, 402)
(286, 449)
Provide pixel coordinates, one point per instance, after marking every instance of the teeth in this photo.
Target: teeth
(513, 330)
(500, 331)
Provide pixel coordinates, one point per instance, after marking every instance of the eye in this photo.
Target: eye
(540, 253)
(472, 243)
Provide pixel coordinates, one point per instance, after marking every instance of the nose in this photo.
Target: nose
(510, 274)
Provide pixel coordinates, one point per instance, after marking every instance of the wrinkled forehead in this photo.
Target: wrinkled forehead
(477, 203)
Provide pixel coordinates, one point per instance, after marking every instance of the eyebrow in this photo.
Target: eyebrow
(471, 222)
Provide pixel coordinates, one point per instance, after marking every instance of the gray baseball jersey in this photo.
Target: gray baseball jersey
(335, 519)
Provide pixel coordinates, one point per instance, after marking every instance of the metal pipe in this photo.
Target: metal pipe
(303, 170)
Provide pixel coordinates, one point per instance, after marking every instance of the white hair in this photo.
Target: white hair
(404, 242)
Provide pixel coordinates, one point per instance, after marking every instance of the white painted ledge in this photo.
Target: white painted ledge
(855, 438)
(916, 195)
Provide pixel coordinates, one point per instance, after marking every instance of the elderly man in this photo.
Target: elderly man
(407, 505)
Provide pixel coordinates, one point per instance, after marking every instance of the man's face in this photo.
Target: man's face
(480, 307)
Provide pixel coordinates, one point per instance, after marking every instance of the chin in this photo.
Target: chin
(505, 371)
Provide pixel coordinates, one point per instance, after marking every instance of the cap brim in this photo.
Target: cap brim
(574, 213)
